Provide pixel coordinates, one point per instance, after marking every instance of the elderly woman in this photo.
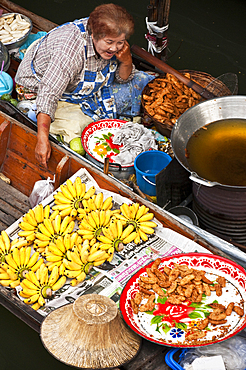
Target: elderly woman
(86, 63)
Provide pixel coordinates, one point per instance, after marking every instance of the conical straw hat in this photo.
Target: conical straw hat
(89, 334)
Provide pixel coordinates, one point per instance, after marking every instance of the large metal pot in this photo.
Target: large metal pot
(196, 117)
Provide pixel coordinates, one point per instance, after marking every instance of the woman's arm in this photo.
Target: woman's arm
(43, 147)
(125, 58)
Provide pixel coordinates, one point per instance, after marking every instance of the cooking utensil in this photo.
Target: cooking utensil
(171, 328)
(198, 116)
(167, 69)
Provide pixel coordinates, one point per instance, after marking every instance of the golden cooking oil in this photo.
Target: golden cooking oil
(217, 152)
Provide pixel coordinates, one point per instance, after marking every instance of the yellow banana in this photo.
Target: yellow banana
(59, 284)
(129, 238)
(125, 210)
(141, 211)
(78, 187)
(64, 224)
(10, 261)
(142, 235)
(98, 255)
(43, 230)
(99, 262)
(72, 274)
(6, 239)
(52, 258)
(22, 253)
(71, 188)
(66, 192)
(71, 265)
(99, 200)
(78, 279)
(27, 255)
(26, 226)
(33, 260)
(31, 220)
(89, 192)
(107, 204)
(32, 277)
(13, 276)
(127, 231)
(39, 213)
(75, 257)
(69, 228)
(49, 226)
(54, 250)
(47, 211)
(53, 276)
(61, 199)
(67, 212)
(37, 265)
(146, 217)
(57, 224)
(61, 207)
(67, 241)
(42, 237)
(60, 245)
(32, 299)
(146, 230)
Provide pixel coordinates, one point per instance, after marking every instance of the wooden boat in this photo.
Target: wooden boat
(19, 172)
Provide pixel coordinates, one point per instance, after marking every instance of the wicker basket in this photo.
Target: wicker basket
(207, 81)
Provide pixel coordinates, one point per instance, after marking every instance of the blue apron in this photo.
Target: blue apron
(93, 93)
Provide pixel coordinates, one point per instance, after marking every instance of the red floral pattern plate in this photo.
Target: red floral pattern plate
(97, 139)
(169, 324)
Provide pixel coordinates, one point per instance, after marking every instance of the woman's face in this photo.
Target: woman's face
(108, 46)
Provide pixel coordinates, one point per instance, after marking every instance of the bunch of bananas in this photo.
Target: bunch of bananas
(139, 217)
(69, 200)
(50, 230)
(81, 259)
(57, 251)
(96, 202)
(17, 264)
(36, 287)
(91, 225)
(115, 236)
(31, 220)
(6, 245)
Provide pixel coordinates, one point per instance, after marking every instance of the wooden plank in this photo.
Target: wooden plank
(15, 202)
(10, 210)
(14, 192)
(4, 135)
(6, 218)
(150, 357)
(3, 226)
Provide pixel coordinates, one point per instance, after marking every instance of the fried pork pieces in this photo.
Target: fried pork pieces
(181, 284)
(168, 98)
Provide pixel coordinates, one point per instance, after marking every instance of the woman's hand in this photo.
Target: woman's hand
(125, 58)
(43, 147)
(124, 55)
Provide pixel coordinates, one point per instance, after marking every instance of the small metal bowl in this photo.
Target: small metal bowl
(17, 43)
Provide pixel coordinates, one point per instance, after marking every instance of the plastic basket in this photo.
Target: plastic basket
(170, 360)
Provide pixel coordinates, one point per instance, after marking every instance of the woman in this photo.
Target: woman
(85, 62)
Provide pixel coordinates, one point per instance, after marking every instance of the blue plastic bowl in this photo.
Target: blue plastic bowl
(147, 165)
(6, 83)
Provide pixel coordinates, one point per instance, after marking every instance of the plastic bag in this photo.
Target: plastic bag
(233, 352)
(41, 190)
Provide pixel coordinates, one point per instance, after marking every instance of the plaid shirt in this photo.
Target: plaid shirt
(59, 64)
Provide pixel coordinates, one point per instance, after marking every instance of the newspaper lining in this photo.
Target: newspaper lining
(109, 279)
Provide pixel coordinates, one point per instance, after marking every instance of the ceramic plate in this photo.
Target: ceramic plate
(169, 324)
(97, 139)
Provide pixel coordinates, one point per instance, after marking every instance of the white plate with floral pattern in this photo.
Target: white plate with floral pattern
(170, 324)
